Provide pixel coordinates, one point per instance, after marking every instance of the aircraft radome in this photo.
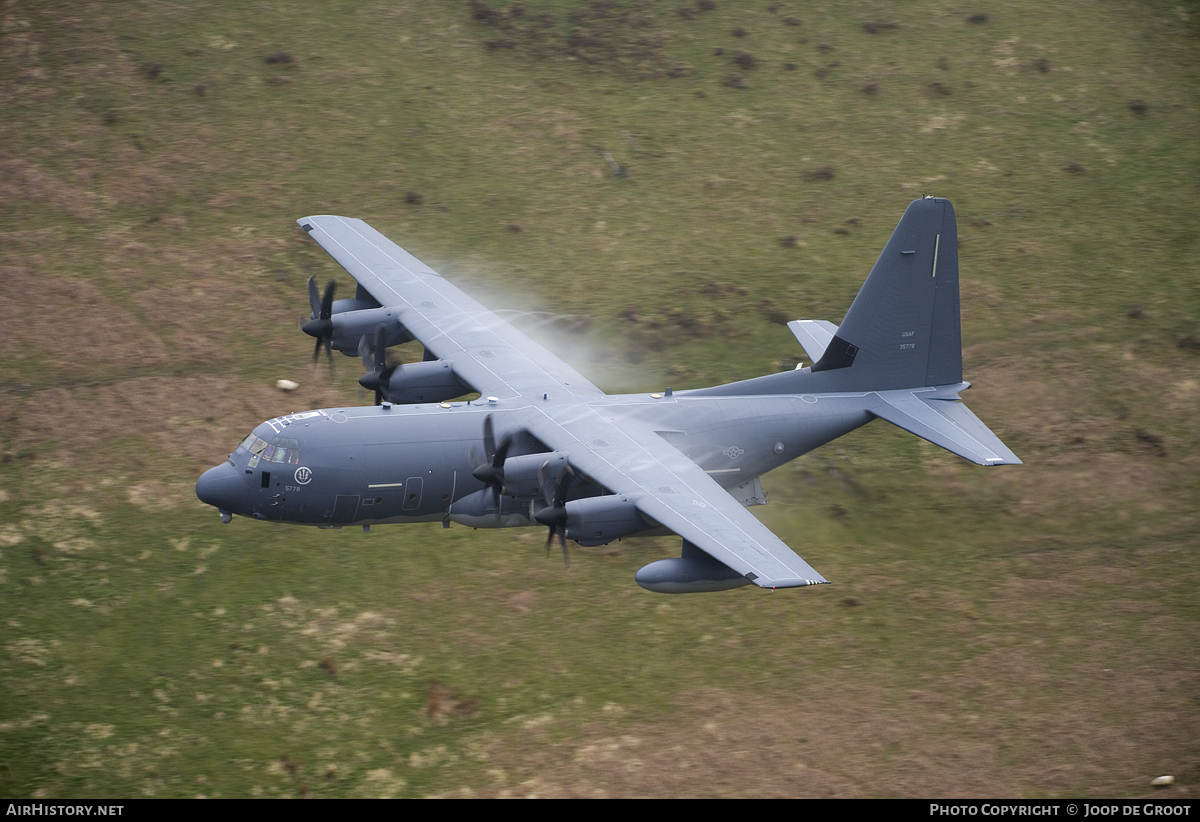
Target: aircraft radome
(542, 445)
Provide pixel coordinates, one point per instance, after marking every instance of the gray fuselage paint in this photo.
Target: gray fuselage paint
(375, 465)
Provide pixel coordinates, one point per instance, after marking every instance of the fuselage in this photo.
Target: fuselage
(389, 464)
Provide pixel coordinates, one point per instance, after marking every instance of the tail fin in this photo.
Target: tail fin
(900, 344)
(902, 330)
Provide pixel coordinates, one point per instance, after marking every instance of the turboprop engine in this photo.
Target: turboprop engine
(600, 520)
(415, 382)
(350, 327)
(694, 572)
(428, 381)
(525, 476)
(342, 324)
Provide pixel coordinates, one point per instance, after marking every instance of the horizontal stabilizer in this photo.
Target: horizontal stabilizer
(814, 336)
(945, 422)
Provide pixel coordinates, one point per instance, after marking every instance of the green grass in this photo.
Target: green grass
(1026, 631)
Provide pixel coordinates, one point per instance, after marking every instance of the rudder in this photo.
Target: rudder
(903, 329)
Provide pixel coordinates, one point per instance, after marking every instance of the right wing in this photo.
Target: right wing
(669, 489)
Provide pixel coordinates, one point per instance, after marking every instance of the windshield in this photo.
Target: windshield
(284, 450)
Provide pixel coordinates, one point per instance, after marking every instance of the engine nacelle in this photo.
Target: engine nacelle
(432, 381)
(351, 326)
(523, 475)
(693, 573)
(600, 520)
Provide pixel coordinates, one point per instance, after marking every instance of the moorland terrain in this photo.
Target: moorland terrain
(681, 177)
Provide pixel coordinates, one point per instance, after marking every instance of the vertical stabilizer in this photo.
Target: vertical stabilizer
(902, 331)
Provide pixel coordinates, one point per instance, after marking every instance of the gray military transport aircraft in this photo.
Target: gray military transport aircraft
(542, 445)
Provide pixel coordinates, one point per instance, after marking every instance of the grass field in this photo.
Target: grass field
(1026, 631)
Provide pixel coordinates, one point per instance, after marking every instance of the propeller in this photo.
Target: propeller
(554, 515)
(320, 325)
(374, 358)
(489, 466)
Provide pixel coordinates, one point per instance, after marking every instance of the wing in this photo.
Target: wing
(670, 489)
(484, 351)
(496, 359)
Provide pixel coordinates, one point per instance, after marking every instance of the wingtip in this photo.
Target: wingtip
(1012, 460)
(789, 583)
(312, 218)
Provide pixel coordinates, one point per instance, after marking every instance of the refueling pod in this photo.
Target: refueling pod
(693, 573)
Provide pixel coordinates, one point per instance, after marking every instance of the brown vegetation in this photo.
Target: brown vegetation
(441, 703)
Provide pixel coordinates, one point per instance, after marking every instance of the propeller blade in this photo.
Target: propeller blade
(489, 437)
(364, 353)
(489, 466)
(327, 300)
(501, 455)
(314, 297)
(374, 358)
(559, 531)
(554, 515)
(380, 348)
(476, 457)
(560, 491)
(321, 324)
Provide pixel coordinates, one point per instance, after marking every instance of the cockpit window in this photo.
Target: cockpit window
(255, 445)
(283, 450)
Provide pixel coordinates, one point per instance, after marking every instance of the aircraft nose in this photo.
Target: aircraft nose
(223, 488)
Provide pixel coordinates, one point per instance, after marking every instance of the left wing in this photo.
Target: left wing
(484, 351)
(670, 489)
